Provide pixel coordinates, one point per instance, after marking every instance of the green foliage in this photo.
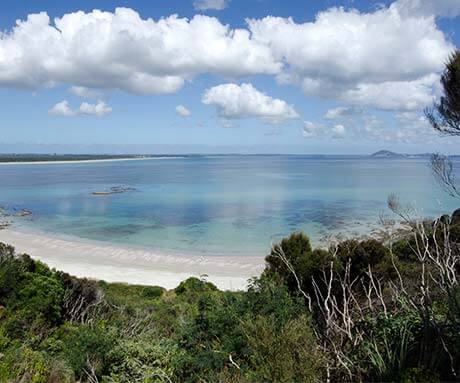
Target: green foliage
(208, 339)
(298, 252)
(390, 343)
(11, 270)
(84, 347)
(455, 219)
(40, 298)
(445, 115)
(362, 254)
(282, 354)
(23, 364)
(194, 286)
(142, 360)
(57, 328)
(153, 292)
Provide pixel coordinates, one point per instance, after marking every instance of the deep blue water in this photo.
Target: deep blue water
(221, 205)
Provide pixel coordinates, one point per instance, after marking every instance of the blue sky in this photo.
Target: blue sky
(249, 76)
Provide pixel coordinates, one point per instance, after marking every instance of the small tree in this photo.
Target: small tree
(445, 115)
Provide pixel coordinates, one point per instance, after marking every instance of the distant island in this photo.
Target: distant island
(387, 154)
(390, 154)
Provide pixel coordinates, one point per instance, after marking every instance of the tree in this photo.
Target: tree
(445, 115)
(295, 254)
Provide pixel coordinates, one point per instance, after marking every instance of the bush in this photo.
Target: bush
(362, 254)
(142, 360)
(41, 298)
(194, 285)
(206, 341)
(152, 292)
(286, 354)
(81, 295)
(85, 347)
(298, 252)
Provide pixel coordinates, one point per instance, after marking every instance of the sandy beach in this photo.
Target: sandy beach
(118, 263)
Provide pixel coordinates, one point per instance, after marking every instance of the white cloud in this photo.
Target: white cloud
(389, 58)
(448, 8)
(120, 50)
(357, 57)
(310, 129)
(338, 131)
(99, 109)
(63, 109)
(84, 92)
(394, 95)
(314, 130)
(340, 112)
(406, 127)
(182, 111)
(245, 101)
(203, 5)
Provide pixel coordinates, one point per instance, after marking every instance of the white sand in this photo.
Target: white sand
(118, 263)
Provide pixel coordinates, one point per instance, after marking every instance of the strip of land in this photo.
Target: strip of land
(118, 263)
(72, 161)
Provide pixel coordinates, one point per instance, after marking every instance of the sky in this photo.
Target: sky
(223, 76)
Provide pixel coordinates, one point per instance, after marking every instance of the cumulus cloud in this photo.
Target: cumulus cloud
(121, 50)
(315, 130)
(64, 109)
(342, 55)
(448, 8)
(182, 111)
(341, 111)
(338, 131)
(310, 129)
(389, 58)
(203, 5)
(408, 127)
(244, 101)
(394, 95)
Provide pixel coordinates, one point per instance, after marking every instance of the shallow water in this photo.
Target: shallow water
(219, 205)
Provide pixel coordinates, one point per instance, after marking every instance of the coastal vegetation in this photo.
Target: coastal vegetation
(356, 310)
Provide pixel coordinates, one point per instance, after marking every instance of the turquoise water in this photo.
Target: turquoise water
(221, 205)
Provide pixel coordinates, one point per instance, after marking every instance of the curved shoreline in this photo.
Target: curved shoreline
(117, 263)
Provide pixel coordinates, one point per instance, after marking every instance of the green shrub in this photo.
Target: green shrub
(41, 298)
(194, 285)
(84, 346)
(152, 292)
(142, 359)
(286, 354)
(362, 254)
(306, 262)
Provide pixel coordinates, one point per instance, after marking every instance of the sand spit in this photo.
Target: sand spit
(86, 161)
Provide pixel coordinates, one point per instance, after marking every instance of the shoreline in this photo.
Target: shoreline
(141, 266)
(60, 162)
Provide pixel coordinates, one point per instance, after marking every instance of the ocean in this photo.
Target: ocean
(217, 205)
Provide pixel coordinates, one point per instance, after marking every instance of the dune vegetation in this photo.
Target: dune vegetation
(358, 310)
